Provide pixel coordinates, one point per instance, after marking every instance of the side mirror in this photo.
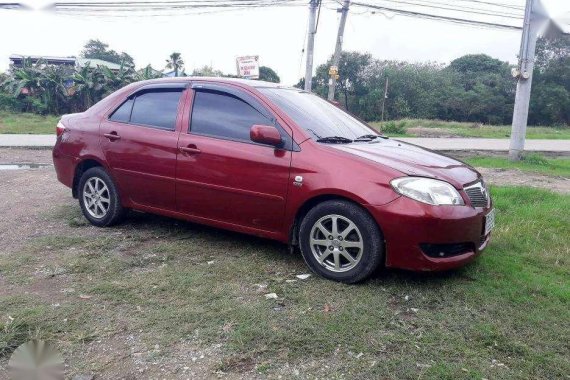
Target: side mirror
(265, 134)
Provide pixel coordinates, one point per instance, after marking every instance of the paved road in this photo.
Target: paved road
(447, 144)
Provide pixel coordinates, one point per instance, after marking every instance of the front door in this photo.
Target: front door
(139, 141)
(221, 174)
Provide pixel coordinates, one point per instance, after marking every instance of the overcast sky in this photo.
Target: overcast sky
(277, 35)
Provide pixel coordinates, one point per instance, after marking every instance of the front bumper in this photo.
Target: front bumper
(417, 234)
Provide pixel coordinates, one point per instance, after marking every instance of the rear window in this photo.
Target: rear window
(155, 108)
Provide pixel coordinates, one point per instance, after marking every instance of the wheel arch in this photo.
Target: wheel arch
(84, 165)
(314, 201)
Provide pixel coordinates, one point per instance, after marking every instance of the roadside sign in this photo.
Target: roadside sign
(333, 71)
(248, 66)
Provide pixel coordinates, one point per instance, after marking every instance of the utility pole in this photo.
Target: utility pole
(311, 43)
(385, 97)
(333, 71)
(524, 75)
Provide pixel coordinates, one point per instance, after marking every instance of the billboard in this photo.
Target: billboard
(248, 67)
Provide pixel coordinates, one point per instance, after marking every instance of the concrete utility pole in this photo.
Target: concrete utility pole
(338, 49)
(524, 74)
(385, 97)
(311, 43)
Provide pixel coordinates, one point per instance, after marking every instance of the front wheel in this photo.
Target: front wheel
(99, 198)
(340, 241)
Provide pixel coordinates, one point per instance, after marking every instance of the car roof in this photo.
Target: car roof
(239, 81)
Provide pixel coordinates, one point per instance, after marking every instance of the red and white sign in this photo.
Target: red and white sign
(248, 67)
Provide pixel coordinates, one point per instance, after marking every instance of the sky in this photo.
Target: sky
(277, 35)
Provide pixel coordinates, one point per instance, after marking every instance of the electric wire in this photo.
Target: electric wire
(457, 20)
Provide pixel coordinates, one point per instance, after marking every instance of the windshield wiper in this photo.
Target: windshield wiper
(369, 137)
(334, 140)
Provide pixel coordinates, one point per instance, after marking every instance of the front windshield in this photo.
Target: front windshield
(315, 115)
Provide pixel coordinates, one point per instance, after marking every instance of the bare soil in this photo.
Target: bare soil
(430, 132)
(30, 198)
(516, 177)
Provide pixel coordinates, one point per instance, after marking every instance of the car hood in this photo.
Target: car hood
(412, 160)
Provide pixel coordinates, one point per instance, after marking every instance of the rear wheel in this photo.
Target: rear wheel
(99, 198)
(340, 241)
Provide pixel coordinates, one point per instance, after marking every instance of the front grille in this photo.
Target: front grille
(446, 250)
(477, 194)
(482, 240)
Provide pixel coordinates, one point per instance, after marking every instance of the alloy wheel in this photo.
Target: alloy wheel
(96, 197)
(336, 243)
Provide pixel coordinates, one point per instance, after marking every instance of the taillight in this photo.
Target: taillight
(59, 129)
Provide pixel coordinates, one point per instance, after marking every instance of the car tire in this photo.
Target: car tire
(99, 198)
(349, 252)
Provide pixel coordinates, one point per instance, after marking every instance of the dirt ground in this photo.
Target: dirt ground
(27, 196)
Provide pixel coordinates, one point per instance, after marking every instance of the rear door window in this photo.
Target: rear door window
(152, 108)
(123, 113)
(156, 109)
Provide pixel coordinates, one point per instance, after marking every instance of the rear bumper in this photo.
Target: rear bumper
(421, 237)
(64, 166)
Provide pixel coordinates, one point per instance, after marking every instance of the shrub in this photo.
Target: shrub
(10, 103)
(535, 159)
(394, 128)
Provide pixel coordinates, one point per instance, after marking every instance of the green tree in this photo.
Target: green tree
(147, 73)
(352, 81)
(99, 50)
(175, 63)
(207, 71)
(268, 74)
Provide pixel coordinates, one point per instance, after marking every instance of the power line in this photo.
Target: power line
(511, 6)
(432, 16)
(153, 8)
(464, 9)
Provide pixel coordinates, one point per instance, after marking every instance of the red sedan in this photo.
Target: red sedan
(275, 162)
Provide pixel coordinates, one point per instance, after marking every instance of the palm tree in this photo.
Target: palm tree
(175, 62)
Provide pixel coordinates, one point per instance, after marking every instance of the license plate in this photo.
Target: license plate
(489, 221)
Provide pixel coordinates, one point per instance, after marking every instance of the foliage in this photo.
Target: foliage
(472, 88)
(99, 50)
(207, 71)
(175, 63)
(394, 128)
(268, 74)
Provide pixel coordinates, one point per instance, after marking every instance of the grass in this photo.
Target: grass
(439, 128)
(171, 283)
(27, 123)
(531, 163)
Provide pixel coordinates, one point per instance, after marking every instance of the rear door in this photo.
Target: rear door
(221, 174)
(139, 140)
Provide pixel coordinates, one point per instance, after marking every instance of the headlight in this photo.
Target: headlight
(427, 190)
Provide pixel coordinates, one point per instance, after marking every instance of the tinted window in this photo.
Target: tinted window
(123, 113)
(156, 108)
(223, 115)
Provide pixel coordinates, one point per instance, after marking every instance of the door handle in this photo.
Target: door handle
(112, 136)
(190, 149)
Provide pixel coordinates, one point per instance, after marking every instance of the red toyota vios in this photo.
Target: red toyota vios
(275, 162)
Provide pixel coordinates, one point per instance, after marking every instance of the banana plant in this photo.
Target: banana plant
(88, 85)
